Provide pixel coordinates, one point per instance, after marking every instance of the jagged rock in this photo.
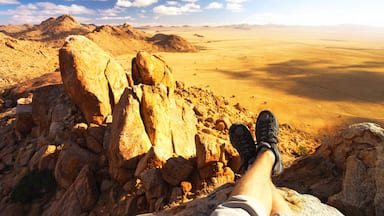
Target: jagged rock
(24, 155)
(208, 150)
(54, 113)
(92, 78)
(69, 163)
(170, 123)
(152, 70)
(155, 188)
(347, 171)
(24, 120)
(183, 128)
(155, 108)
(80, 197)
(129, 140)
(95, 137)
(176, 170)
(44, 158)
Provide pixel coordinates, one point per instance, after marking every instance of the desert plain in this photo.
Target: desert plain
(316, 79)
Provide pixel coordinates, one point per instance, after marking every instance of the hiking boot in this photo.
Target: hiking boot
(242, 140)
(267, 131)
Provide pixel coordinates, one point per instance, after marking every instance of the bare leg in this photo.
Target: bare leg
(279, 204)
(257, 183)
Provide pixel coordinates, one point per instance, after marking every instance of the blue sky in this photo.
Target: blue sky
(198, 12)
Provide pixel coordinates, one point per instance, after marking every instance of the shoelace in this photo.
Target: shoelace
(266, 133)
(245, 147)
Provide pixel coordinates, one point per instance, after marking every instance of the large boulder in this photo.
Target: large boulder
(129, 140)
(151, 70)
(348, 171)
(155, 108)
(92, 78)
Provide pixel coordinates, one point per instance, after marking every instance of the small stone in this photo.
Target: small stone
(220, 126)
(186, 187)
(176, 170)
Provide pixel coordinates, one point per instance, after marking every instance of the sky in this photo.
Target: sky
(198, 12)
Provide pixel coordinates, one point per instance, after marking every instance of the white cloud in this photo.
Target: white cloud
(123, 3)
(234, 7)
(236, 1)
(143, 3)
(49, 8)
(172, 10)
(190, 1)
(214, 5)
(111, 11)
(172, 3)
(166, 10)
(116, 18)
(9, 2)
(35, 13)
(192, 7)
(136, 3)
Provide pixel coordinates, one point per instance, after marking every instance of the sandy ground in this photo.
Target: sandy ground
(314, 79)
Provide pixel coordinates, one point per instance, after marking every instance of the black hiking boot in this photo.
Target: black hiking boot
(267, 131)
(242, 140)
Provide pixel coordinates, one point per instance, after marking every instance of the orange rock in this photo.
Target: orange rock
(92, 78)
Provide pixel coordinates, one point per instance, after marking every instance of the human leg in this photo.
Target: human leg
(256, 185)
(257, 180)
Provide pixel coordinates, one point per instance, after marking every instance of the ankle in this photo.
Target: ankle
(267, 153)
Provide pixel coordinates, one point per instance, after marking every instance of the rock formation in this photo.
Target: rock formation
(92, 78)
(347, 171)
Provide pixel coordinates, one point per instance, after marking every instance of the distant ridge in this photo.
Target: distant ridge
(172, 43)
(117, 39)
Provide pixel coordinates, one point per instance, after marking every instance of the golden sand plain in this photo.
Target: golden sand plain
(314, 78)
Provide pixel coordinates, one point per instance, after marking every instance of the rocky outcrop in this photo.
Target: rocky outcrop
(347, 171)
(129, 142)
(301, 204)
(150, 125)
(92, 78)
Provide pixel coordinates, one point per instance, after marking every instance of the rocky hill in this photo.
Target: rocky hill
(29, 51)
(95, 139)
(54, 31)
